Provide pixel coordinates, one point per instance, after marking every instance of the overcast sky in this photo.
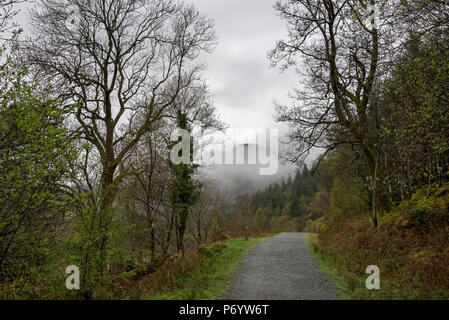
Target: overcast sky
(242, 82)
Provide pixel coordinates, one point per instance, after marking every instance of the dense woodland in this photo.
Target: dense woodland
(87, 114)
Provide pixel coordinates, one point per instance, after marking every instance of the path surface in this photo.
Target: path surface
(280, 268)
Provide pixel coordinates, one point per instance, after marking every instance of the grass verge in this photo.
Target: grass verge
(412, 263)
(328, 266)
(202, 274)
(409, 246)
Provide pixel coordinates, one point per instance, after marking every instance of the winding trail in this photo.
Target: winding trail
(281, 268)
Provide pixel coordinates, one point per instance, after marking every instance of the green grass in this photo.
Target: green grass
(205, 274)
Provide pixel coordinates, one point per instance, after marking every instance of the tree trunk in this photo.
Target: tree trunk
(372, 161)
(152, 243)
(108, 193)
(429, 174)
(374, 197)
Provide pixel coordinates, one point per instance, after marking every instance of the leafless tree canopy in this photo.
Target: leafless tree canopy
(120, 63)
(425, 16)
(337, 50)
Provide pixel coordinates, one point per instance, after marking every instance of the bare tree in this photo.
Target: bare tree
(151, 173)
(422, 17)
(146, 191)
(341, 45)
(203, 212)
(116, 62)
(244, 210)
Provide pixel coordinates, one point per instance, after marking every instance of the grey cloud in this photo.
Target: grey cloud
(243, 84)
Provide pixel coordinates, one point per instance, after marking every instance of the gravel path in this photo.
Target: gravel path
(280, 268)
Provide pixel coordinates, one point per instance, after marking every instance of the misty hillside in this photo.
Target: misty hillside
(245, 177)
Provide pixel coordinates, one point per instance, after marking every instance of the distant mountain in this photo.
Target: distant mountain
(244, 175)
